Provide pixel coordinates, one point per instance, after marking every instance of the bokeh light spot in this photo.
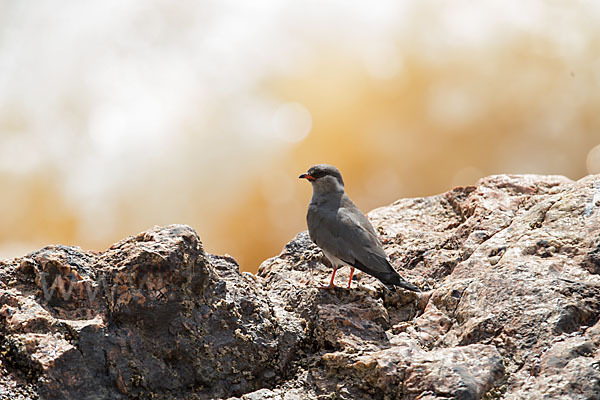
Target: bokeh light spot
(292, 122)
(593, 160)
(453, 107)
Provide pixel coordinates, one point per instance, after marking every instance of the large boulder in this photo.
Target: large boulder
(510, 270)
(153, 316)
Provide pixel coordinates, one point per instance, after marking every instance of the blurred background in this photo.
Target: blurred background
(116, 116)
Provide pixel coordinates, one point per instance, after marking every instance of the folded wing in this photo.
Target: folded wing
(347, 234)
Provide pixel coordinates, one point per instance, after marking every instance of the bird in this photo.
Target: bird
(343, 232)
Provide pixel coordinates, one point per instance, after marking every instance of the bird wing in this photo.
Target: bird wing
(346, 233)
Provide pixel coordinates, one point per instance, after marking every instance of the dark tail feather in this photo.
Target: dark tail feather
(393, 278)
(398, 281)
(389, 278)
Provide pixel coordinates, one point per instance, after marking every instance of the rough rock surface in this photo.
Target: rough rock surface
(512, 266)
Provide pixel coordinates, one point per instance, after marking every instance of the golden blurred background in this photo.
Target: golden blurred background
(117, 116)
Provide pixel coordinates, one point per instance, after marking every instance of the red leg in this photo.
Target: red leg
(331, 285)
(351, 273)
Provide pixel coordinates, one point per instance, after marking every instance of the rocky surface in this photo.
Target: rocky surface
(511, 266)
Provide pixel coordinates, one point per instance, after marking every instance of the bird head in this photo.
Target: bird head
(324, 178)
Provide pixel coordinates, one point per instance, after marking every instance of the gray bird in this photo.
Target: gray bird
(344, 234)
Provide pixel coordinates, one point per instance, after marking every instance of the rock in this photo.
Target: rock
(569, 368)
(511, 309)
(153, 316)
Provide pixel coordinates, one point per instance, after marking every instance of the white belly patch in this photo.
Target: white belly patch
(334, 260)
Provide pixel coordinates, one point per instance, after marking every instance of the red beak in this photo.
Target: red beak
(307, 177)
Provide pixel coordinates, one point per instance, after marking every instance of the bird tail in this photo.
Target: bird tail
(389, 277)
(397, 280)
